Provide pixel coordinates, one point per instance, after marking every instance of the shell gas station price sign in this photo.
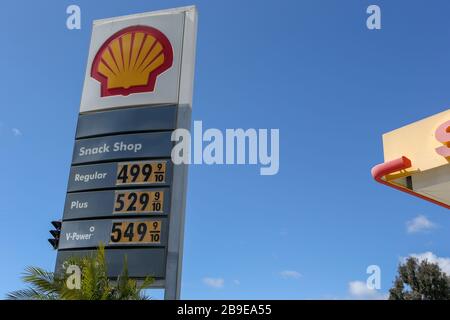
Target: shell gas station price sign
(137, 90)
(142, 232)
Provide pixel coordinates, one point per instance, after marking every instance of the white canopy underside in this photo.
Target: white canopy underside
(434, 183)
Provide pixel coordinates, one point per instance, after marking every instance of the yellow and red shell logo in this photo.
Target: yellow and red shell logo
(131, 60)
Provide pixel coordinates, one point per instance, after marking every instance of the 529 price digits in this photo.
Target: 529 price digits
(139, 201)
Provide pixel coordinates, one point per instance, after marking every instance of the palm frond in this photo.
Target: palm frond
(148, 281)
(30, 294)
(95, 284)
(41, 280)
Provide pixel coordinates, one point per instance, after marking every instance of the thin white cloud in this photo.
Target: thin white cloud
(215, 283)
(290, 274)
(360, 290)
(16, 132)
(236, 282)
(419, 224)
(443, 262)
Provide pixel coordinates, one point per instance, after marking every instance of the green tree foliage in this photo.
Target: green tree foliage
(420, 280)
(95, 284)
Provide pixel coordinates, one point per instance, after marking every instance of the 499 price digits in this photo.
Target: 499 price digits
(141, 172)
(136, 232)
(139, 201)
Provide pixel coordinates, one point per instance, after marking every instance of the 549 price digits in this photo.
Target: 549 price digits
(136, 232)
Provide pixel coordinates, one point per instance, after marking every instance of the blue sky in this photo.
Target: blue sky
(310, 68)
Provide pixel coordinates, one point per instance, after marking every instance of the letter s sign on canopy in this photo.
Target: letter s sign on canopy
(137, 91)
(443, 136)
